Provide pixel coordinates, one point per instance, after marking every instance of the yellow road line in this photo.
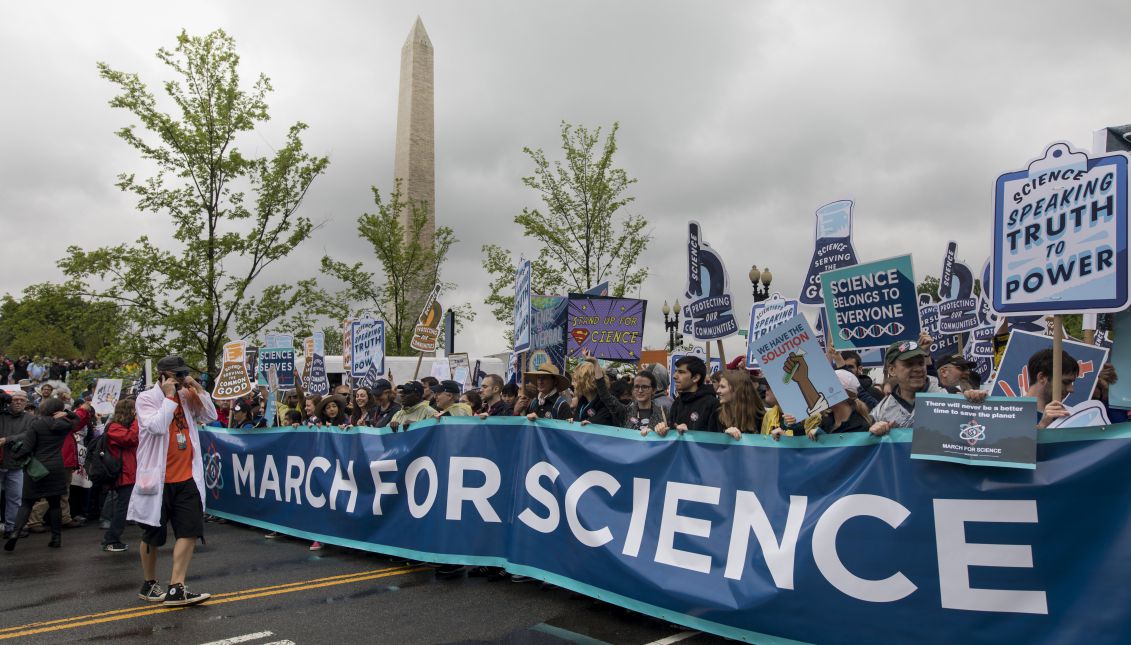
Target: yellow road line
(235, 596)
(219, 595)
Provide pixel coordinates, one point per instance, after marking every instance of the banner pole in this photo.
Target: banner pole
(1090, 336)
(416, 372)
(708, 345)
(722, 356)
(1057, 355)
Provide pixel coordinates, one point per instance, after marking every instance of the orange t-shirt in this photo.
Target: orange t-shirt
(178, 463)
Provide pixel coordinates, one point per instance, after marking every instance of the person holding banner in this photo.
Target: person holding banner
(386, 406)
(331, 411)
(905, 370)
(850, 415)
(595, 404)
(494, 403)
(1039, 370)
(696, 404)
(414, 407)
(740, 408)
(549, 403)
(447, 400)
(645, 412)
(364, 407)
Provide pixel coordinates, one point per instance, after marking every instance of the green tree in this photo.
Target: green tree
(930, 286)
(410, 268)
(233, 215)
(584, 234)
(52, 319)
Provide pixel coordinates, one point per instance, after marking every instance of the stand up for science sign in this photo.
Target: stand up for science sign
(871, 305)
(1060, 235)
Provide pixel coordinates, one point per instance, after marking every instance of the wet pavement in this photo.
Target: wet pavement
(277, 591)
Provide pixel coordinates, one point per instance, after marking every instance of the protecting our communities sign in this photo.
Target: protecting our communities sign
(1060, 235)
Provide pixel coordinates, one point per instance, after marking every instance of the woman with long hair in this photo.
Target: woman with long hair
(363, 405)
(122, 440)
(740, 407)
(43, 440)
(331, 411)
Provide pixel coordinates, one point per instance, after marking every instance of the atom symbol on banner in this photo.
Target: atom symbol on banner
(972, 432)
(213, 473)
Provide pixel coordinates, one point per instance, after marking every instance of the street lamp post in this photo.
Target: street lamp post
(671, 324)
(760, 280)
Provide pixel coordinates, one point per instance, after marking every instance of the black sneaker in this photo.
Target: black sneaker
(178, 596)
(480, 572)
(498, 576)
(449, 571)
(151, 591)
(116, 547)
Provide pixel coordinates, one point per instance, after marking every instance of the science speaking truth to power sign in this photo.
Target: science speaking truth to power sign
(871, 305)
(1060, 234)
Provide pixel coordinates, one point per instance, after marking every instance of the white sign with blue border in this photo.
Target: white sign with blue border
(1060, 235)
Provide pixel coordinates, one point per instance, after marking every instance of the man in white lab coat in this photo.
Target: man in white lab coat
(170, 477)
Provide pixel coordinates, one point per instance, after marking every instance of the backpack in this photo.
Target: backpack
(101, 465)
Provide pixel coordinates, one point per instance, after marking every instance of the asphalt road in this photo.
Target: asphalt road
(277, 591)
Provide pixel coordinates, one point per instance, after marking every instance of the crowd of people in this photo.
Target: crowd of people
(47, 430)
(32, 370)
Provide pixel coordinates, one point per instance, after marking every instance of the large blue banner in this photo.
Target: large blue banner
(846, 540)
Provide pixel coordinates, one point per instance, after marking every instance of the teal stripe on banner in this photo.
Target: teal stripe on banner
(897, 435)
(976, 462)
(523, 570)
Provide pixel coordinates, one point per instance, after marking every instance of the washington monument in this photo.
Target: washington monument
(415, 157)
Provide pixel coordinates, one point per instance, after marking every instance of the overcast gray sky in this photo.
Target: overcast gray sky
(746, 116)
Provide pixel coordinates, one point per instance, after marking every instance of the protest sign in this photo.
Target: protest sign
(832, 248)
(279, 340)
(599, 290)
(715, 365)
(319, 342)
(347, 345)
(460, 366)
(233, 380)
(1088, 414)
(871, 305)
(251, 359)
(1060, 234)
(427, 332)
(710, 312)
(307, 357)
(1013, 377)
(763, 316)
(957, 305)
(441, 369)
(611, 328)
(107, 391)
(929, 320)
(796, 368)
(283, 360)
(522, 311)
(1001, 431)
(368, 338)
(318, 383)
(270, 406)
(369, 379)
(548, 330)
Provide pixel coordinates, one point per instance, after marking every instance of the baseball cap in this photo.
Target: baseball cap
(451, 387)
(412, 387)
(903, 350)
(954, 359)
(381, 385)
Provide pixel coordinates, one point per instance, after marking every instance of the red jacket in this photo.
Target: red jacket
(123, 444)
(70, 448)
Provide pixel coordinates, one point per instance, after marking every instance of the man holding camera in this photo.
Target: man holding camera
(169, 485)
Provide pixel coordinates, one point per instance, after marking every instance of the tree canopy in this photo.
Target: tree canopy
(233, 215)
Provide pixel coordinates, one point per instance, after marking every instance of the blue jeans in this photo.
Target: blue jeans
(12, 483)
